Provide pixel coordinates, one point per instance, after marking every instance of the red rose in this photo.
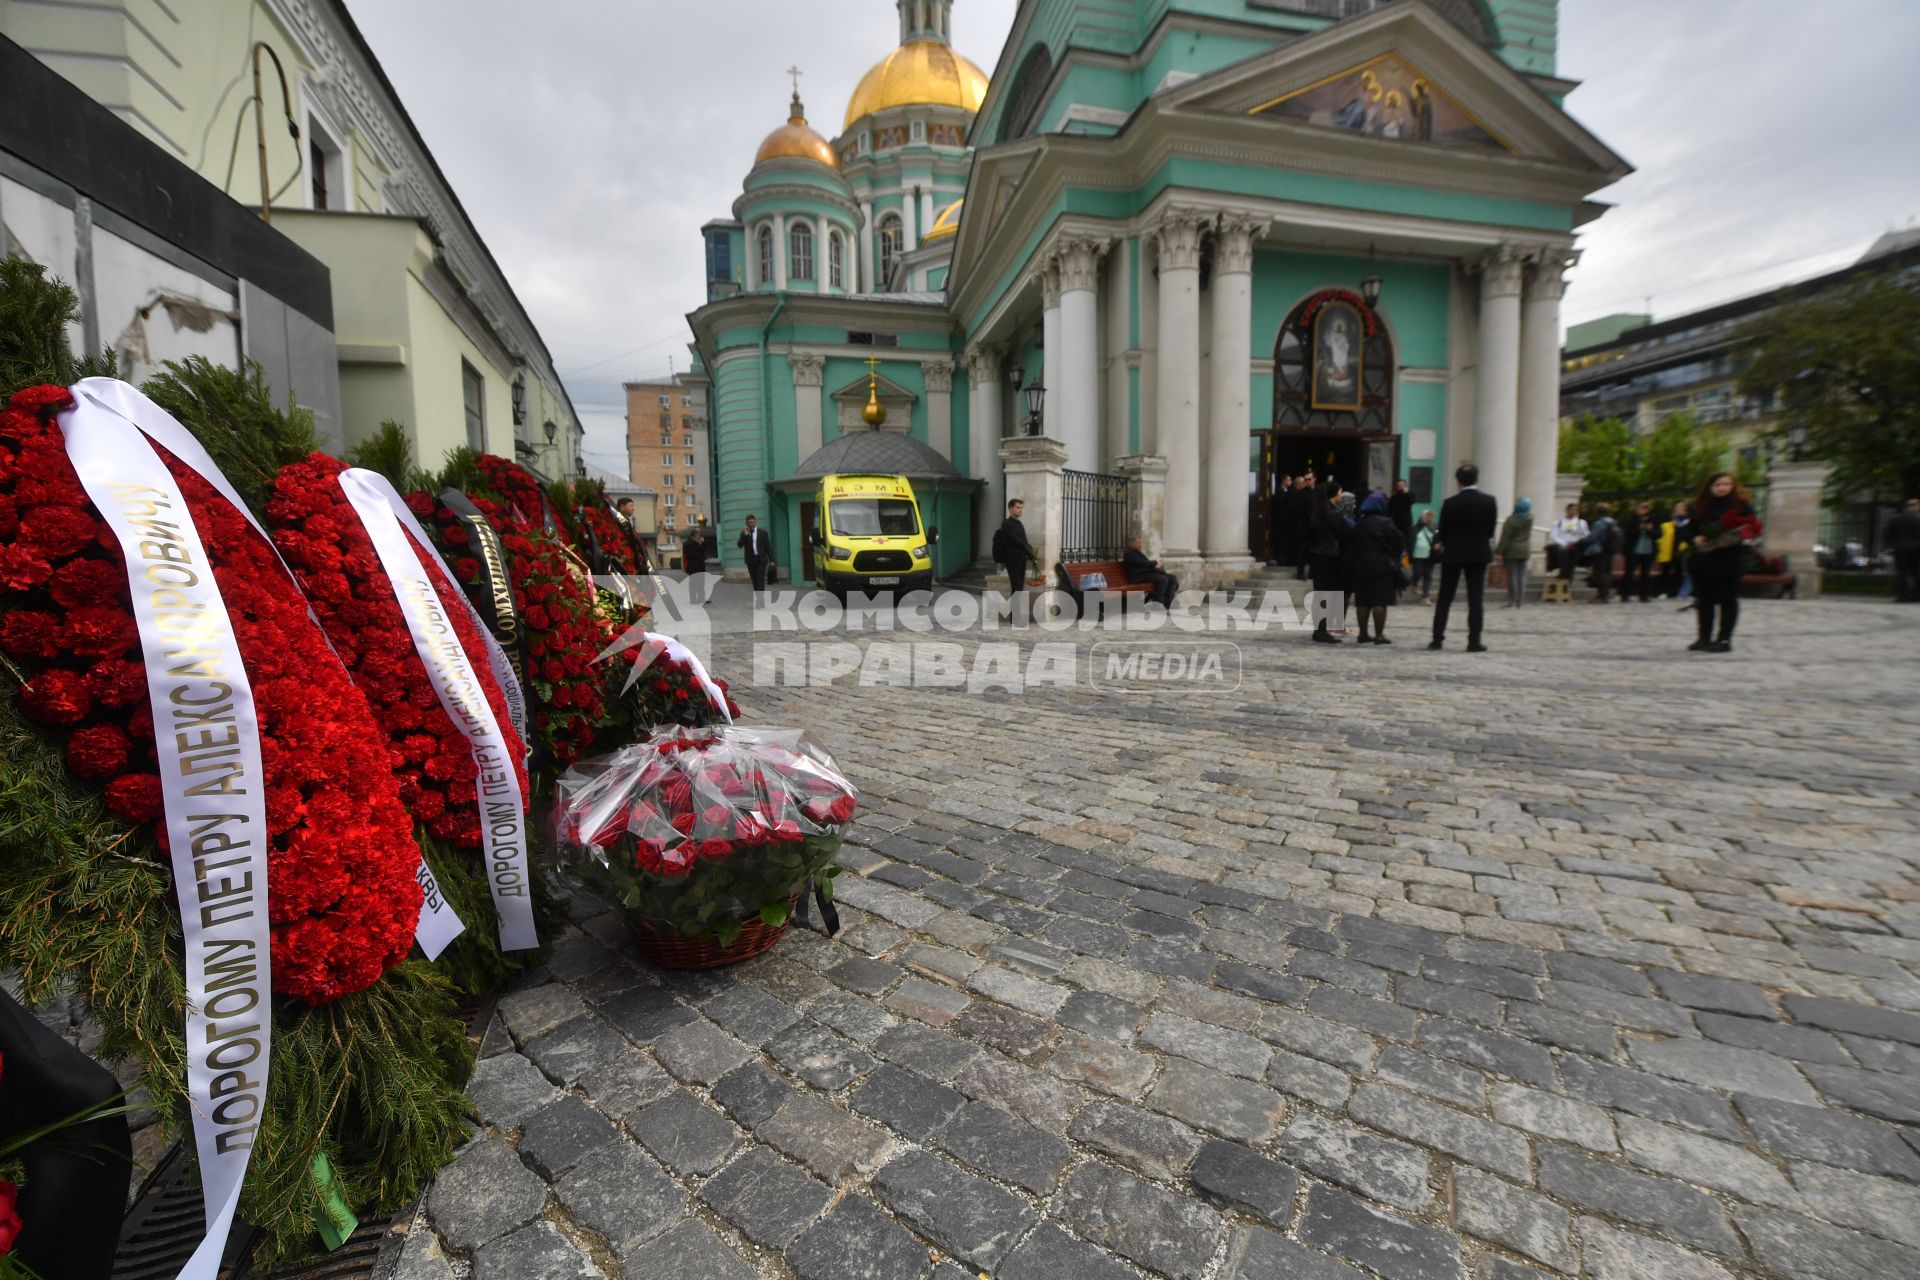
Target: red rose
(842, 809)
(713, 849)
(683, 823)
(135, 798)
(10, 1223)
(56, 697)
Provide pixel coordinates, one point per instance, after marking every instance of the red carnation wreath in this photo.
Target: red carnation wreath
(555, 601)
(323, 540)
(343, 901)
(615, 547)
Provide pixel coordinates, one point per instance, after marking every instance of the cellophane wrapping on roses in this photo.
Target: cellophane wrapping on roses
(695, 830)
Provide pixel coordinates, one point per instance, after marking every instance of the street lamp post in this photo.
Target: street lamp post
(1036, 400)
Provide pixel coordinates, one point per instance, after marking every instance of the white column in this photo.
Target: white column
(1149, 286)
(983, 444)
(1538, 454)
(780, 251)
(1116, 297)
(1229, 425)
(863, 274)
(1079, 364)
(1050, 347)
(821, 278)
(909, 221)
(807, 407)
(938, 376)
(1497, 397)
(926, 208)
(1178, 234)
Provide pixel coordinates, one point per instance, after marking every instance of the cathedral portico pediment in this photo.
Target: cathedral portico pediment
(1401, 76)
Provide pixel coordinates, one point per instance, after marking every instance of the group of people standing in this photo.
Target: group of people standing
(1372, 551)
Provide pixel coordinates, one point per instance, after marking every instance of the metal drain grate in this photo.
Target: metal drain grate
(166, 1221)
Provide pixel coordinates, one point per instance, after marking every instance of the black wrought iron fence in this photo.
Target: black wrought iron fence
(1093, 516)
(1853, 535)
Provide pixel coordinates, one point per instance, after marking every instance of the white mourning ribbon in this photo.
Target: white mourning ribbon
(503, 818)
(207, 740)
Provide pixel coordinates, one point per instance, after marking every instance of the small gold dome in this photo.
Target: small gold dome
(919, 73)
(946, 224)
(796, 141)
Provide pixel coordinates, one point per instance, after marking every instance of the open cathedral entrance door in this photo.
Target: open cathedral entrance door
(1360, 464)
(1263, 483)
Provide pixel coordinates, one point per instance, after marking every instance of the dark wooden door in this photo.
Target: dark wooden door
(1262, 480)
(807, 542)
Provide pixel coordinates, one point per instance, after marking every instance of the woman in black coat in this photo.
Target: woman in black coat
(1373, 565)
(1723, 523)
(1328, 533)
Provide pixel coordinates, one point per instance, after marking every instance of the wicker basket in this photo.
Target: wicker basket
(670, 949)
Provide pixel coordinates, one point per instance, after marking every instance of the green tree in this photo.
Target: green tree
(1846, 366)
(1673, 457)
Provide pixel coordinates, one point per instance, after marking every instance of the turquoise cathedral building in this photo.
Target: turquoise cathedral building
(1231, 239)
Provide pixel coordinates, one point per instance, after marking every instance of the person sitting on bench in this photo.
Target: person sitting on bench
(1140, 569)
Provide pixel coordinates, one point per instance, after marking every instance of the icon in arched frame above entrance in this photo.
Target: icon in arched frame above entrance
(1333, 368)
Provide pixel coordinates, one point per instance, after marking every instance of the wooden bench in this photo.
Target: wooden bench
(1067, 578)
(1772, 577)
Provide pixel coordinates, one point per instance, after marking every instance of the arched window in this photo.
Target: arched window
(836, 261)
(766, 257)
(1029, 91)
(892, 237)
(1333, 367)
(800, 252)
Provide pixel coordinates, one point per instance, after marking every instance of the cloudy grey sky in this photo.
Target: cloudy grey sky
(1772, 140)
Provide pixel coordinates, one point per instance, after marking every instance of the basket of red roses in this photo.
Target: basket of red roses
(709, 839)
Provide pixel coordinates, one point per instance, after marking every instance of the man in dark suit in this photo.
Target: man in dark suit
(759, 549)
(1467, 522)
(1139, 568)
(1011, 548)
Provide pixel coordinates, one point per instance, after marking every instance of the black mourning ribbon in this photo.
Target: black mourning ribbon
(829, 917)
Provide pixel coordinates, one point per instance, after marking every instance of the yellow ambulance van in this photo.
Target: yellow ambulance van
(868, 536)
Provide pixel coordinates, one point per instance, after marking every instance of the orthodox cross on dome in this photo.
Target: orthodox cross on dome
(796, 73)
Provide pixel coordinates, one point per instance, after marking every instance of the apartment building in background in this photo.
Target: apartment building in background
(667, 452)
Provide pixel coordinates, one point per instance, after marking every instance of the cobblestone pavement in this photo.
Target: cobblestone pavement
(1585, 956)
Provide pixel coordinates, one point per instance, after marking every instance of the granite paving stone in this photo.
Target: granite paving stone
(1831, 1137)
(556, 1138)
(1170, 1234)
(537, 1250)
(507, 1088)
(485, 1193)
(619, 1193)
(1257, 1254)
(1609, 1253)
(570, 1051)
(856, 1241)
(769, 1199)
(1004, 1147)
(1377, 1167)
(1219, 1104)
(1144, 1141)
(965, 1215)
(699, 1053)
(906, 1101)
(831, 1143)
(1500, 1212)
(1797, 1247)
(1395, 1247)
(1051, 1254)
(1235, 1178)
(690, 1251)
(684, 1133)
(1662, 1204)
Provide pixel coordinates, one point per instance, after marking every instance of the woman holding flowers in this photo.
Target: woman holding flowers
(1724, 525)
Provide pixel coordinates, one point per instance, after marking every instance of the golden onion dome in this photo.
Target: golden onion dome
(919, 73)
(946, 224)
(795, 140)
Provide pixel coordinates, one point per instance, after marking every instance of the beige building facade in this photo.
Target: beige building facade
(667, 453)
